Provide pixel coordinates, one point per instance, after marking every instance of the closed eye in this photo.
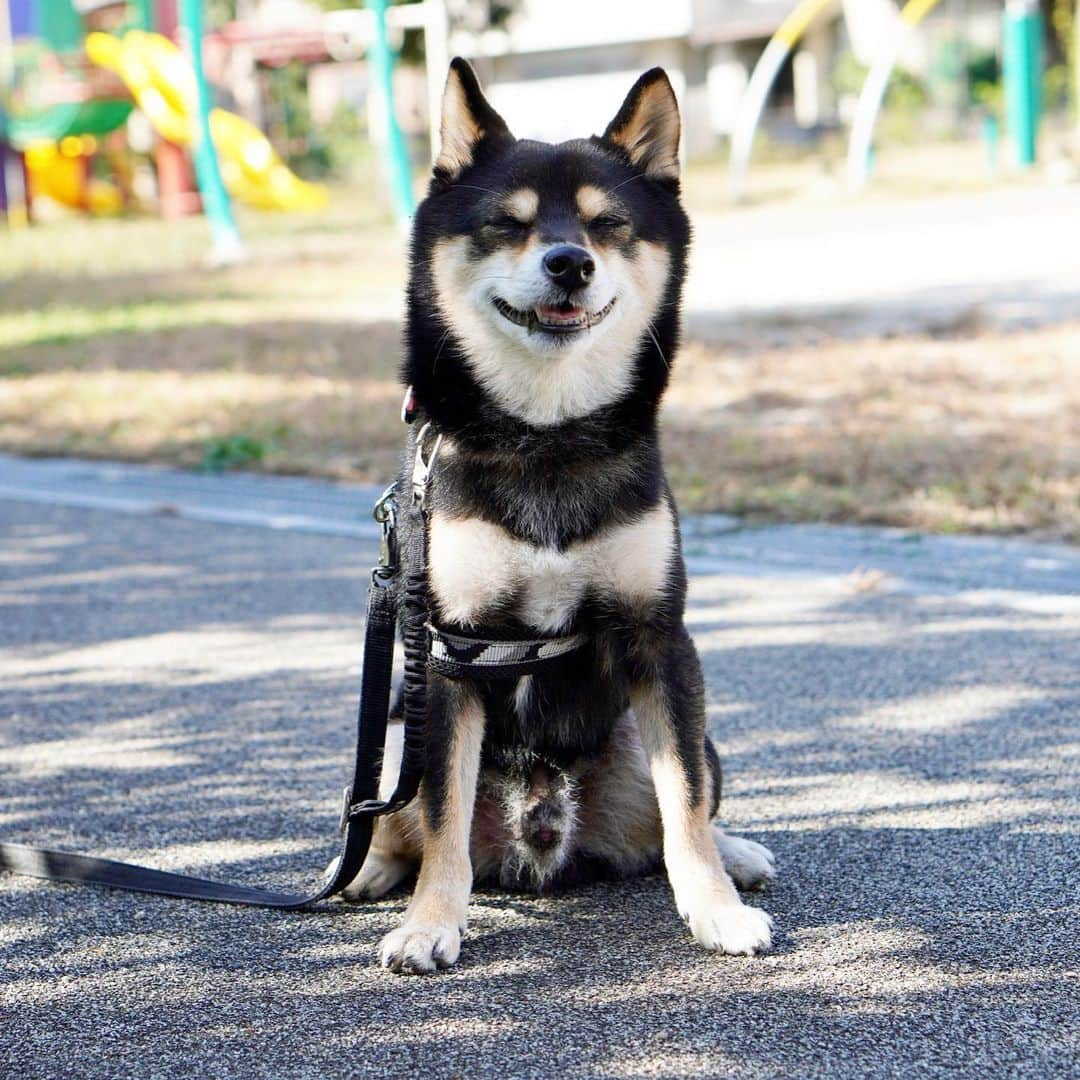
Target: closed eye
(607, 223)
(506, 223)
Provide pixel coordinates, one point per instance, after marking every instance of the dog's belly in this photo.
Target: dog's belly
(480, 574)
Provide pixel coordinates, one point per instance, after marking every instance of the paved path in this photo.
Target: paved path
(885, 265)
(899, 721)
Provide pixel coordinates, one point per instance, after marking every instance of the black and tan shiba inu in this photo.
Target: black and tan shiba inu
(543, 316)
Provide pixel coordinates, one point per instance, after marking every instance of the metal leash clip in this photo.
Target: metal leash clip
(421, 466)
(346, 807)
(385, 513)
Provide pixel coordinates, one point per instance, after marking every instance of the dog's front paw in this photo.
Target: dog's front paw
(721, 923)
(419, 948)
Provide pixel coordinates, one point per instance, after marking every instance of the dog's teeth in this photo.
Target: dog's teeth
(533, 322)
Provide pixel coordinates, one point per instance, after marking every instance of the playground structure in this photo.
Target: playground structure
(1022, 33)
(160, 74)
(59, 131)
(164, 86)
(153, 61)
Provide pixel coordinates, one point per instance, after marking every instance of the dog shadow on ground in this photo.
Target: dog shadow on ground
(906, 757)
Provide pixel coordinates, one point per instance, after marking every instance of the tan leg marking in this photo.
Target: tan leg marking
(430, 934)
(704, 893)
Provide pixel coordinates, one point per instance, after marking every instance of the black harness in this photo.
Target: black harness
(426, 646)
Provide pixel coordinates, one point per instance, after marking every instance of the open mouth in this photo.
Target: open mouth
(564, 318)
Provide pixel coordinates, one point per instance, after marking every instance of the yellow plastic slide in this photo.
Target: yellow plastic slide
(163, 84)
(59, 173)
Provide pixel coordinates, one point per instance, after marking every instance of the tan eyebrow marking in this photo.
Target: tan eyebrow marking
(523, 204)
(591, 202)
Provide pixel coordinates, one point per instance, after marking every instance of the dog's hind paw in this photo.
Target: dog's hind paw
(420, 948)
(379, 874)
(751, 865)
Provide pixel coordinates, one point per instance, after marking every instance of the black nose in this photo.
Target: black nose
(569, 266)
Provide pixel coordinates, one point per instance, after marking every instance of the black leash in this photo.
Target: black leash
(426, 646)
(361, 804)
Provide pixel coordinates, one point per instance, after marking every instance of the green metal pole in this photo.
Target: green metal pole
(228, 246)
(397, 156)
(1023, 63)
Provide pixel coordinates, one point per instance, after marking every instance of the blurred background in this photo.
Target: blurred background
(204, 207)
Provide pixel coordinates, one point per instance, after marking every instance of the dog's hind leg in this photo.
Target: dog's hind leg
(430, 934)
(396, 839)
(751, 865)
(620, 820)
(668, 698)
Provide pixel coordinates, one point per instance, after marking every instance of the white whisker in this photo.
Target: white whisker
(638, 176)
(651, 331)
(476, 187)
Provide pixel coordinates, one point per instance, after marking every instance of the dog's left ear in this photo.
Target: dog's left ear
(647, 127)
(467, 122)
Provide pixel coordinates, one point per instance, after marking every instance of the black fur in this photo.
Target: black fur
(554, 486)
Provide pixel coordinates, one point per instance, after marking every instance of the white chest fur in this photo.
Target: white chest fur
(475, 565)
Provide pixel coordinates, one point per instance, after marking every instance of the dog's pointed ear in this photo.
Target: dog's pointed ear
(646, 129)
(467, 121)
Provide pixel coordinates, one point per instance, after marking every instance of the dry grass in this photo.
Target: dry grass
(113, 343)
(978, 433)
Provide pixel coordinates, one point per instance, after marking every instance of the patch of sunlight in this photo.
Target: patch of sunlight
(986, 811)
(192, 658)
(663, 1061)
(759, 740)
(826, 800)
(947, 710)
(52, 540)
(1052, 758)
(871, 965)
(16, 557)
(104, 576)
(852, 633)
(125, 977)
(60, 324)
(764, 598)
(216, 853)
(866, 966)
(18, 931)
(55, 756)
(992, 624)
(423, 1033)
(1036, 603)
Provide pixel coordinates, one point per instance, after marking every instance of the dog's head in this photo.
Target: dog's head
(550, 273)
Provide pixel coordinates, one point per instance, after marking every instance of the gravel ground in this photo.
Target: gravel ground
(898, 717)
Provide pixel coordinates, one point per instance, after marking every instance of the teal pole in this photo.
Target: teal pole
(228, 246)
(397, 156)
(1023, 61)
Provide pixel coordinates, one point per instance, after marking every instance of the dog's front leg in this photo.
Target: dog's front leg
(668, 699)
(430, 934)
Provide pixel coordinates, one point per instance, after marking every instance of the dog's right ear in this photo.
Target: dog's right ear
(467, 122)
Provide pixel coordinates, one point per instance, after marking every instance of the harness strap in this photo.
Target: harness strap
(462, 656)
